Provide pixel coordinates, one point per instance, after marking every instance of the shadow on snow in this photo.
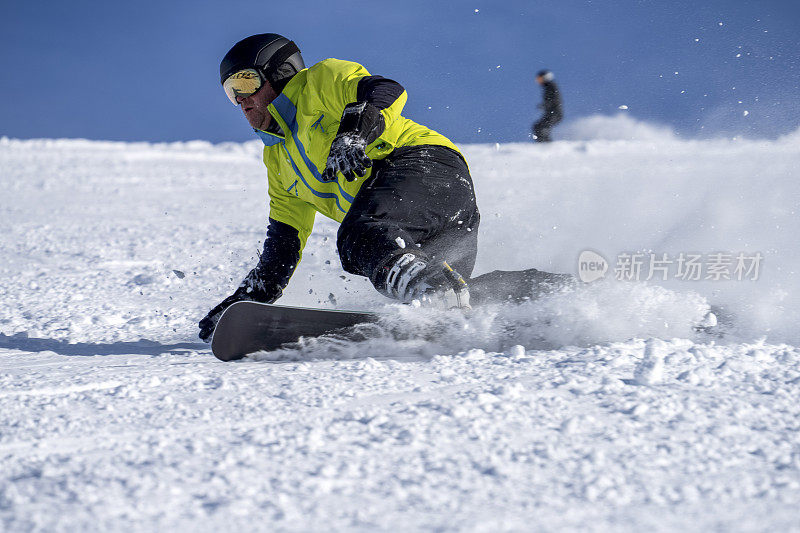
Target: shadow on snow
(141, 347)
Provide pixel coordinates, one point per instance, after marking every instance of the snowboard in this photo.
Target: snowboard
(247, 327)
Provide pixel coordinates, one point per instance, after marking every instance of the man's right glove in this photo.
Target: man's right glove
(252, 288)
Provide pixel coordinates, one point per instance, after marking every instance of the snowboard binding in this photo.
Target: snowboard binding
(456, 293)
(411, 277)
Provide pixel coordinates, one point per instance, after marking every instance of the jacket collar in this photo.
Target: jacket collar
(283, 109)
(285, 112)
(269, 139)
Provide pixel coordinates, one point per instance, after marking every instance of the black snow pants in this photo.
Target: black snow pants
(542, 127)
(421, 197)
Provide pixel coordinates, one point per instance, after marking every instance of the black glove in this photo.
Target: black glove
(361, 124)
(252, 288)
(349, 156)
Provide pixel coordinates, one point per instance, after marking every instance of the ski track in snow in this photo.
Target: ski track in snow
(594, 410)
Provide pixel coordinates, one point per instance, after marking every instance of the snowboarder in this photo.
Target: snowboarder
(551, 107)
(336, 143)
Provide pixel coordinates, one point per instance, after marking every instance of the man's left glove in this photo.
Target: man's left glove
(361, 124)
(252, 288)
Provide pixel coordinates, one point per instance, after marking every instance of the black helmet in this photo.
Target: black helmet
(275, 56)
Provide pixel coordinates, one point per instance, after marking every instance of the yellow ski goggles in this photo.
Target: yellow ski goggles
(243, 83)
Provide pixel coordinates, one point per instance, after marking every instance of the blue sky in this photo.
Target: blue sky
(148, 71)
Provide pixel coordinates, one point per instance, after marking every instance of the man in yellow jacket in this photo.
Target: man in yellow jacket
(336, 143)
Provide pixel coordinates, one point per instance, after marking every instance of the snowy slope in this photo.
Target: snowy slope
(598, 409)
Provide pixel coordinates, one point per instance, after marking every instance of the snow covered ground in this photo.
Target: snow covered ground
(594, 410)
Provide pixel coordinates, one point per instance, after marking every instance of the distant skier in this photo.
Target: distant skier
(336, 143)
(551, 106)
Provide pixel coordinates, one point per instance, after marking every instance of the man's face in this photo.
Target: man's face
(254, 106)
(539, 80)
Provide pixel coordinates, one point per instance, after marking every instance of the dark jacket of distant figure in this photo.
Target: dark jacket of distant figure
(552, 102)
(552, 112)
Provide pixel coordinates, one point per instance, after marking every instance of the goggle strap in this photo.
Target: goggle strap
(280, 56)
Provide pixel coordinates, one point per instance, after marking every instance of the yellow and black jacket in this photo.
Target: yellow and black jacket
(306, 119)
